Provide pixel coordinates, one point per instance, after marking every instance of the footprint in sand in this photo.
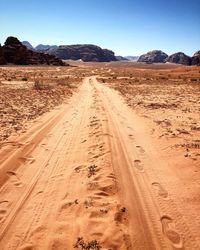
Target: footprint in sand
(130, 128)
(161, 191)
(14, 178)
(141, 150)
(131, 136)
(27, 159)
(27, 246)
(79, 168)
(3, 209)
(170, 232)
(138, 164)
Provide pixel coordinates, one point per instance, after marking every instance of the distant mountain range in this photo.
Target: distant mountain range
(85, 52)
(39, 47)
(24, 54)
(132, 58)
(28, 45)
(42, 47)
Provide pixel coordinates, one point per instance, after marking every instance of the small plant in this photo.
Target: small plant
(87, 245)
(91, 170)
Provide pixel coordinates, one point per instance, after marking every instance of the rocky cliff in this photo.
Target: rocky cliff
(155, 56)
(85, 52)
(16, 53)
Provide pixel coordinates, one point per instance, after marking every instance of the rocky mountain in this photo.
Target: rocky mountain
(179, 58)
(85, 52)
(16, 53)
(132, 58)
(155, 56)
(195, 60)
(42, 48)
(28, 45)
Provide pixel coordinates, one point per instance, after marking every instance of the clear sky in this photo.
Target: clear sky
(128, 27)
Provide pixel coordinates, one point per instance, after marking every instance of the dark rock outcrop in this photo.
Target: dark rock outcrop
(179, 58)
(85, 52)
(16, 53)
(2, 59)
(196, 58)
(155, 56)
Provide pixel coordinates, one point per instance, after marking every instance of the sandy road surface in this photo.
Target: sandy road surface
(88, 169)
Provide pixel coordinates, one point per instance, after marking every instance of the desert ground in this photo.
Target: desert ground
(100, 156)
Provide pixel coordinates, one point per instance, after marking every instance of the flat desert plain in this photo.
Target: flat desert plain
(100, 156)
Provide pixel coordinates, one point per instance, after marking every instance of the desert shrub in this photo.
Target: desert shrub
(87, 245)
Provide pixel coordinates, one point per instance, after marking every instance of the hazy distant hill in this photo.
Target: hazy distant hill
(28, 45)
(41, 47)
(132, 58)
(121, 58)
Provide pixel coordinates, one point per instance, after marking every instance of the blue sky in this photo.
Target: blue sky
(128, 27)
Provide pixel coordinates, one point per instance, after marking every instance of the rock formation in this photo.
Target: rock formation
(179, 58)
(16, 53)
(155, 56)
(196, 58)
(86, 52)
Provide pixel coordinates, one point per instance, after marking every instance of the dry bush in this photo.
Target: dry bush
(81, 244)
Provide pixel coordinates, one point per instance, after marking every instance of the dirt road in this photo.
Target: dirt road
(89, 169)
